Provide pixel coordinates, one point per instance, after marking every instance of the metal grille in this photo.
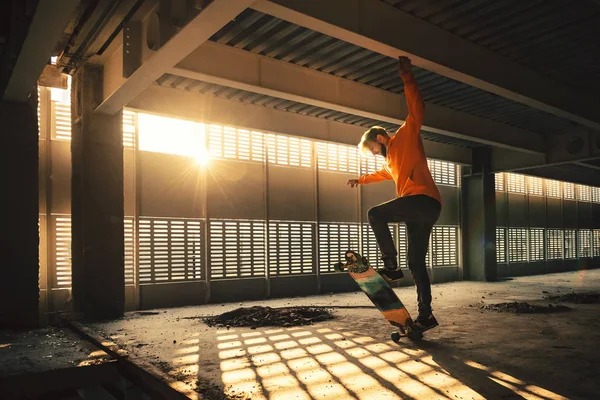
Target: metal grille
(237, 249)
(61, 121)
(170, 250)
(62, 252)
(371, 163)
(129, 128)
(536, 244)
(553, 189)
(596, 242)
(499, 182)
(337, 157)
(291, 248)
(517, 244)
(237, 144)
(569, 190)
(596, 194)
(285, 150)
(402, 246)
(584, 242)
(129, 231)
(334, 240)
(584, 193)
(515, 183)
(570, 244)
(370, 248)
(555, 244)
(444, 249)
(535, 186)
(443, 172)
(500, 245)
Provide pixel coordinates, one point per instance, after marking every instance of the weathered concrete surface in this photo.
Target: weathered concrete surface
(46, 349)
(474, 354)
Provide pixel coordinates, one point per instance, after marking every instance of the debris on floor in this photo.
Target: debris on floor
(578, 298)
(258, 316)
(524, 308)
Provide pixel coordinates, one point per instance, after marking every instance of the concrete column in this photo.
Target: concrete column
(19, 211)
(479, 219)
(97, 202)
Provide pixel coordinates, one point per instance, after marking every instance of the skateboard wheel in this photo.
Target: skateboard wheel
(396, 337)
(415, 335)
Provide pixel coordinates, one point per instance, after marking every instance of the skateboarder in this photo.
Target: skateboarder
(418, 204)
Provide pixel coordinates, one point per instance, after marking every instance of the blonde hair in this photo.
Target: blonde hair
(370, 136)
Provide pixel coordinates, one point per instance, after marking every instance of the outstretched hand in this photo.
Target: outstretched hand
(352, 182)
(404, 65)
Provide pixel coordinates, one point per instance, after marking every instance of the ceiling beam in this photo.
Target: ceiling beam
(240, 69)
(211, 109)
(212, 18)
(377, 26)
(46, 29)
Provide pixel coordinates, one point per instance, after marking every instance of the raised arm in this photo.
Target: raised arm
(414, 102)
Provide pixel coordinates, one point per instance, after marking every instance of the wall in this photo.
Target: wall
(545, 226)
(224, 213)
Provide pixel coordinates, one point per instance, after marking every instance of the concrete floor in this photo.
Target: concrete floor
(474, 354)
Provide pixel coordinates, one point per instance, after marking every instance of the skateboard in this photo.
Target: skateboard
(381, 295)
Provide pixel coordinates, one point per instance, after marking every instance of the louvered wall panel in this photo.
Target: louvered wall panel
(233, 143)
(290, 151)
(596, 243)
(444, 249)
(584, 243)
(536, 244)
(291, 248)
(370, 248)
(62, 251)
(501, 245)
(568, 190)
(555, 244)
(499, 182)
(443, 173)
(515, 183)
(237, 249)
(402, 246)
(129, 128)
(584, 193)
(334, 240)
(535, 186)
(61, 121)
(570, 244)
(517, 244)
(129, 231)
(170, 250)
(337, 157)
(553, 189)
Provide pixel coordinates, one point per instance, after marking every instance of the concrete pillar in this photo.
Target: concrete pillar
(19, 211)
(479, 219)
(97, 202)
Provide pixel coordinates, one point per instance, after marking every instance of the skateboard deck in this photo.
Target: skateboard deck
(381, 295)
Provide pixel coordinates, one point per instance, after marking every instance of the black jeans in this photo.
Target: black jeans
(419, 213)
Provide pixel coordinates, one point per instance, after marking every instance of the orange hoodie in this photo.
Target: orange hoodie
(406, 162)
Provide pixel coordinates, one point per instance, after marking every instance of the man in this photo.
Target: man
(418, 204)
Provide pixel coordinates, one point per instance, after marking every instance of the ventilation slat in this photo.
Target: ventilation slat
(337, 157)
(499, 182)
(170, 250)
(584, 241)
(515, 183)
(237, 249)
(555, 245)
(517, 244)
(536, 244)
(584, 193)
(290, 248)
(568, 190)
(570, 244)
(444, 248)
(62, 252)
(334, 240)
(535, 186)
(501, 245)
(443, 173)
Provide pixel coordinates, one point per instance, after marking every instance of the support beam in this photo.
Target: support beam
(19, 211)
(479, 219)
(197, 31)
(206, 108)
(567, 173)
(45, 31)
(377, 26)
(97, 204)
(231, 67)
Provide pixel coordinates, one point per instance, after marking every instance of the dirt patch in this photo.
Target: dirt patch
(258, 316)
(524, 308)
(578, 298)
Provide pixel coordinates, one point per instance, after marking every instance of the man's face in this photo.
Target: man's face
(377, 148)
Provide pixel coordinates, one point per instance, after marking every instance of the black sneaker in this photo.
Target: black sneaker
(426, 323)
(391, 272)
